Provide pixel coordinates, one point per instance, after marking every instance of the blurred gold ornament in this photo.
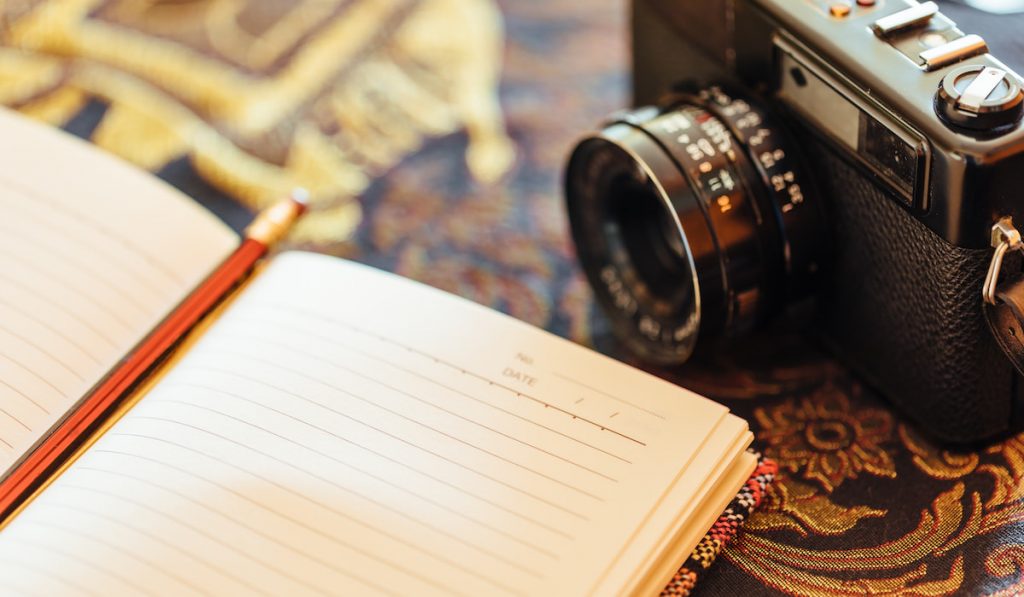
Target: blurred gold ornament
(262, 96)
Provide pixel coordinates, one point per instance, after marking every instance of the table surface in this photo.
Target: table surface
(434, 148)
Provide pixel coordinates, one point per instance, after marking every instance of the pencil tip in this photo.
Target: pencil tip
(300, 198)
(300, 195)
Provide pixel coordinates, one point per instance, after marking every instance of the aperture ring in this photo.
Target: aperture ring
(706, 152)
(784, 181)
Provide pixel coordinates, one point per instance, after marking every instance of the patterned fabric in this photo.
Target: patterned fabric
(724, 530)
(389, 111)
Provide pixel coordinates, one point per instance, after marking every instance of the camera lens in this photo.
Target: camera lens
(647, 232)
(693, 220)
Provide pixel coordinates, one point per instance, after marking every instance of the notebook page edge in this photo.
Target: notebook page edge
(660, 574)
(670, 517)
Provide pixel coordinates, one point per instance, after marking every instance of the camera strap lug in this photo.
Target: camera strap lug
(1004, 238)
(1003, 304)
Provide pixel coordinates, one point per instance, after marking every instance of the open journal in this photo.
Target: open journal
(331, 429)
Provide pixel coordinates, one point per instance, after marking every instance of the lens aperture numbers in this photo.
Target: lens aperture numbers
(690, 220)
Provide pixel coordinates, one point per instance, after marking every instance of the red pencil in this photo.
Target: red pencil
(268, 227)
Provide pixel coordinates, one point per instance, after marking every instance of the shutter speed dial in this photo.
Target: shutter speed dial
(980, 98)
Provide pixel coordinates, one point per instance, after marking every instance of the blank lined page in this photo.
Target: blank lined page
(92, 254)
(342, 431)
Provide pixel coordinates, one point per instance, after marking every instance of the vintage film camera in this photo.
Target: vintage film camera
(866, 153)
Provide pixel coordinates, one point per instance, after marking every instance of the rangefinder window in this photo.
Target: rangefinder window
(897, 155)
(894, 158)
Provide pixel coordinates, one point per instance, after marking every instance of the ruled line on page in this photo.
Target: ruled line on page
(84, 274)
(38, 295)
(36, 375)
(433, 555)
(16, 420)
(98, 225)
(494, 383)
(37, 269)
(108, 495)
(375, 404)
(376, 477)
(618, 399)
(421, 400)
(391, 436)
(6, 443)
(341, 514)
(433, 527)
(46, 572)
(417, 471)
(460, 369)
(284, 544)
(24, 395)
(120, 522)
(83, 351)
(86, 266)
(310, 500)
(90, 241)
(78, 559)
(126, 553)
(43, 351)
(18, 589)
(391, 363)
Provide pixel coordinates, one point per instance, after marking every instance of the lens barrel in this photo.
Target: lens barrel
(692, 220)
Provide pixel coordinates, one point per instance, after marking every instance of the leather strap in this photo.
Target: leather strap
(1006, 319)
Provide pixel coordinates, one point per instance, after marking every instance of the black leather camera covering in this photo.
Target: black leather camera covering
(904, 308)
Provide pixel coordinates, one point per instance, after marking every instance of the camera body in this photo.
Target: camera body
(911, 180)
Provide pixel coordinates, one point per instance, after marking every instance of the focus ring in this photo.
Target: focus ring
(704, 150)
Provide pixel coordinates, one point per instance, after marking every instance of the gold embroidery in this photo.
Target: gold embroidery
(800, 582)
(909, 564)
(57, 107)
(799, 507)
(24, 75)
(1004, 561)
(941, 464)
(822, 439)
(807, 570)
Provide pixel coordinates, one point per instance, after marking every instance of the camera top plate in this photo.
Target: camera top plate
(892, 60)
